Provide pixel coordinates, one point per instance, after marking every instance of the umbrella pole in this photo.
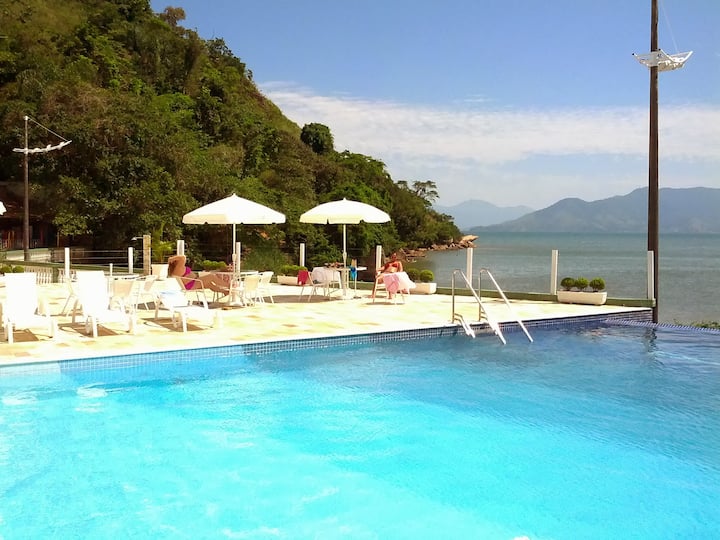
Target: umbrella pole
(344, 245)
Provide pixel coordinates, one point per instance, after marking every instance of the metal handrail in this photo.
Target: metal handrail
(505, 299)
(481, 308)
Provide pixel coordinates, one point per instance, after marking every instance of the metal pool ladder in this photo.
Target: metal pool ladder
(457, 317)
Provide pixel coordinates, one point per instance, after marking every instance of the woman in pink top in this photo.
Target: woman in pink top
(177, 268)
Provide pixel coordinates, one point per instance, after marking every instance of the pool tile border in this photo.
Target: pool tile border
(267, 347)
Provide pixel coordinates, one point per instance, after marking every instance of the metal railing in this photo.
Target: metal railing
(482, 311)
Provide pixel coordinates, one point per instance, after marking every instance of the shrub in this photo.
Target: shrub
(18, 269)
(291, 269)
(427, 276)
(210, 266)
(567, 283)
(581, 283)
(413, 274)
(597, 284)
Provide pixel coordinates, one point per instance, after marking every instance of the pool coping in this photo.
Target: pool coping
(185, 354)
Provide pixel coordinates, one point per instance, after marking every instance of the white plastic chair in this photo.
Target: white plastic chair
(143, 290)
(71, 302)
(124, 294)
(305, 279)
(250, 289)
(22, 307)
(180, 308)
(217, 295)
(94, 299)
(380, 284)
(264, 287)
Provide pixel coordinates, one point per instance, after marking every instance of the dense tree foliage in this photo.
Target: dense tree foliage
(317, 137)
(162, 122)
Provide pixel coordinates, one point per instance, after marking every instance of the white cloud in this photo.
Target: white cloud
(513, 156)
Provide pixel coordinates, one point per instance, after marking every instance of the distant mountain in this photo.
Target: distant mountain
(691, 210)
(473, 213)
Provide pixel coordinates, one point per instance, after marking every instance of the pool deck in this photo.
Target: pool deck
(289, 318)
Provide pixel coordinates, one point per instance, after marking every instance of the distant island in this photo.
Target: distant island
(687, 210)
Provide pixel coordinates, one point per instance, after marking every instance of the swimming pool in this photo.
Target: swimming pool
(596, 432)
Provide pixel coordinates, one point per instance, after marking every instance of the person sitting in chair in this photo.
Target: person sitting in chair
(178, 268)
(393, 265)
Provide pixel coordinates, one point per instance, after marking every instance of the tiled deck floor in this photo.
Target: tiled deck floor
(289, 318)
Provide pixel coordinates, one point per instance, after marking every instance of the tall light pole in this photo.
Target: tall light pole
(26, 178)
(657, 60)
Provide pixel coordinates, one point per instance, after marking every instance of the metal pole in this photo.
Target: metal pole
(26, 204)
(553, 271)
(469, 264)
(653, 189)
(147, 253)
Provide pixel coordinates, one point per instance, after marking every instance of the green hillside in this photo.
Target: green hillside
(161, 122)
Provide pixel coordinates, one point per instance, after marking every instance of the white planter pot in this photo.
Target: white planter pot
(424, 288)
(582, 297)
(159, 270)
(287, 280)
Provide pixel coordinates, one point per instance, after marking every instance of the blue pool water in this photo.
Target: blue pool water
(602, 432)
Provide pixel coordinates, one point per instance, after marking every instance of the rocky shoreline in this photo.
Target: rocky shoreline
(412, 254)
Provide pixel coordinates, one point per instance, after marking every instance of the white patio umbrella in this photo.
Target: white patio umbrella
(344, 212)
(233, 210)
(2, 208)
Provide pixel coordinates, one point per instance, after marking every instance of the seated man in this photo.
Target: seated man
(177, 268)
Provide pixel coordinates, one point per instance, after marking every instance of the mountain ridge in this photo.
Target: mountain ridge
(681, 210)
(476, 212)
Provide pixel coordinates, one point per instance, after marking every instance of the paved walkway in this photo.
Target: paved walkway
(290, 317)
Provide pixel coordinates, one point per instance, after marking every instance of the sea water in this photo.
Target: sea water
(689, 266)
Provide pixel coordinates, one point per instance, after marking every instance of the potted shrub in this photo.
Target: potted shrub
(288, 274)
(424, 281)
(161, 250)
(575, 291)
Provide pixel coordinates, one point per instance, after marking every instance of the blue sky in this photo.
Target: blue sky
(514, 102)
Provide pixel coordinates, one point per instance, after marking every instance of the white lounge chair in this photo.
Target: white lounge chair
(22, 307)
(91, 289)
(181, 309)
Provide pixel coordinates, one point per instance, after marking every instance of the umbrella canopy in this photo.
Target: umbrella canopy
(342, 213)
(233, 210)
(2, 209)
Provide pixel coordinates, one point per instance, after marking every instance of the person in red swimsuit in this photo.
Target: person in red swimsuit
(178, 268)
(393, 265)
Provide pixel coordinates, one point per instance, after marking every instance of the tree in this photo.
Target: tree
(318, 138)
(173, 15)
(163, 121)
(427, 191)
